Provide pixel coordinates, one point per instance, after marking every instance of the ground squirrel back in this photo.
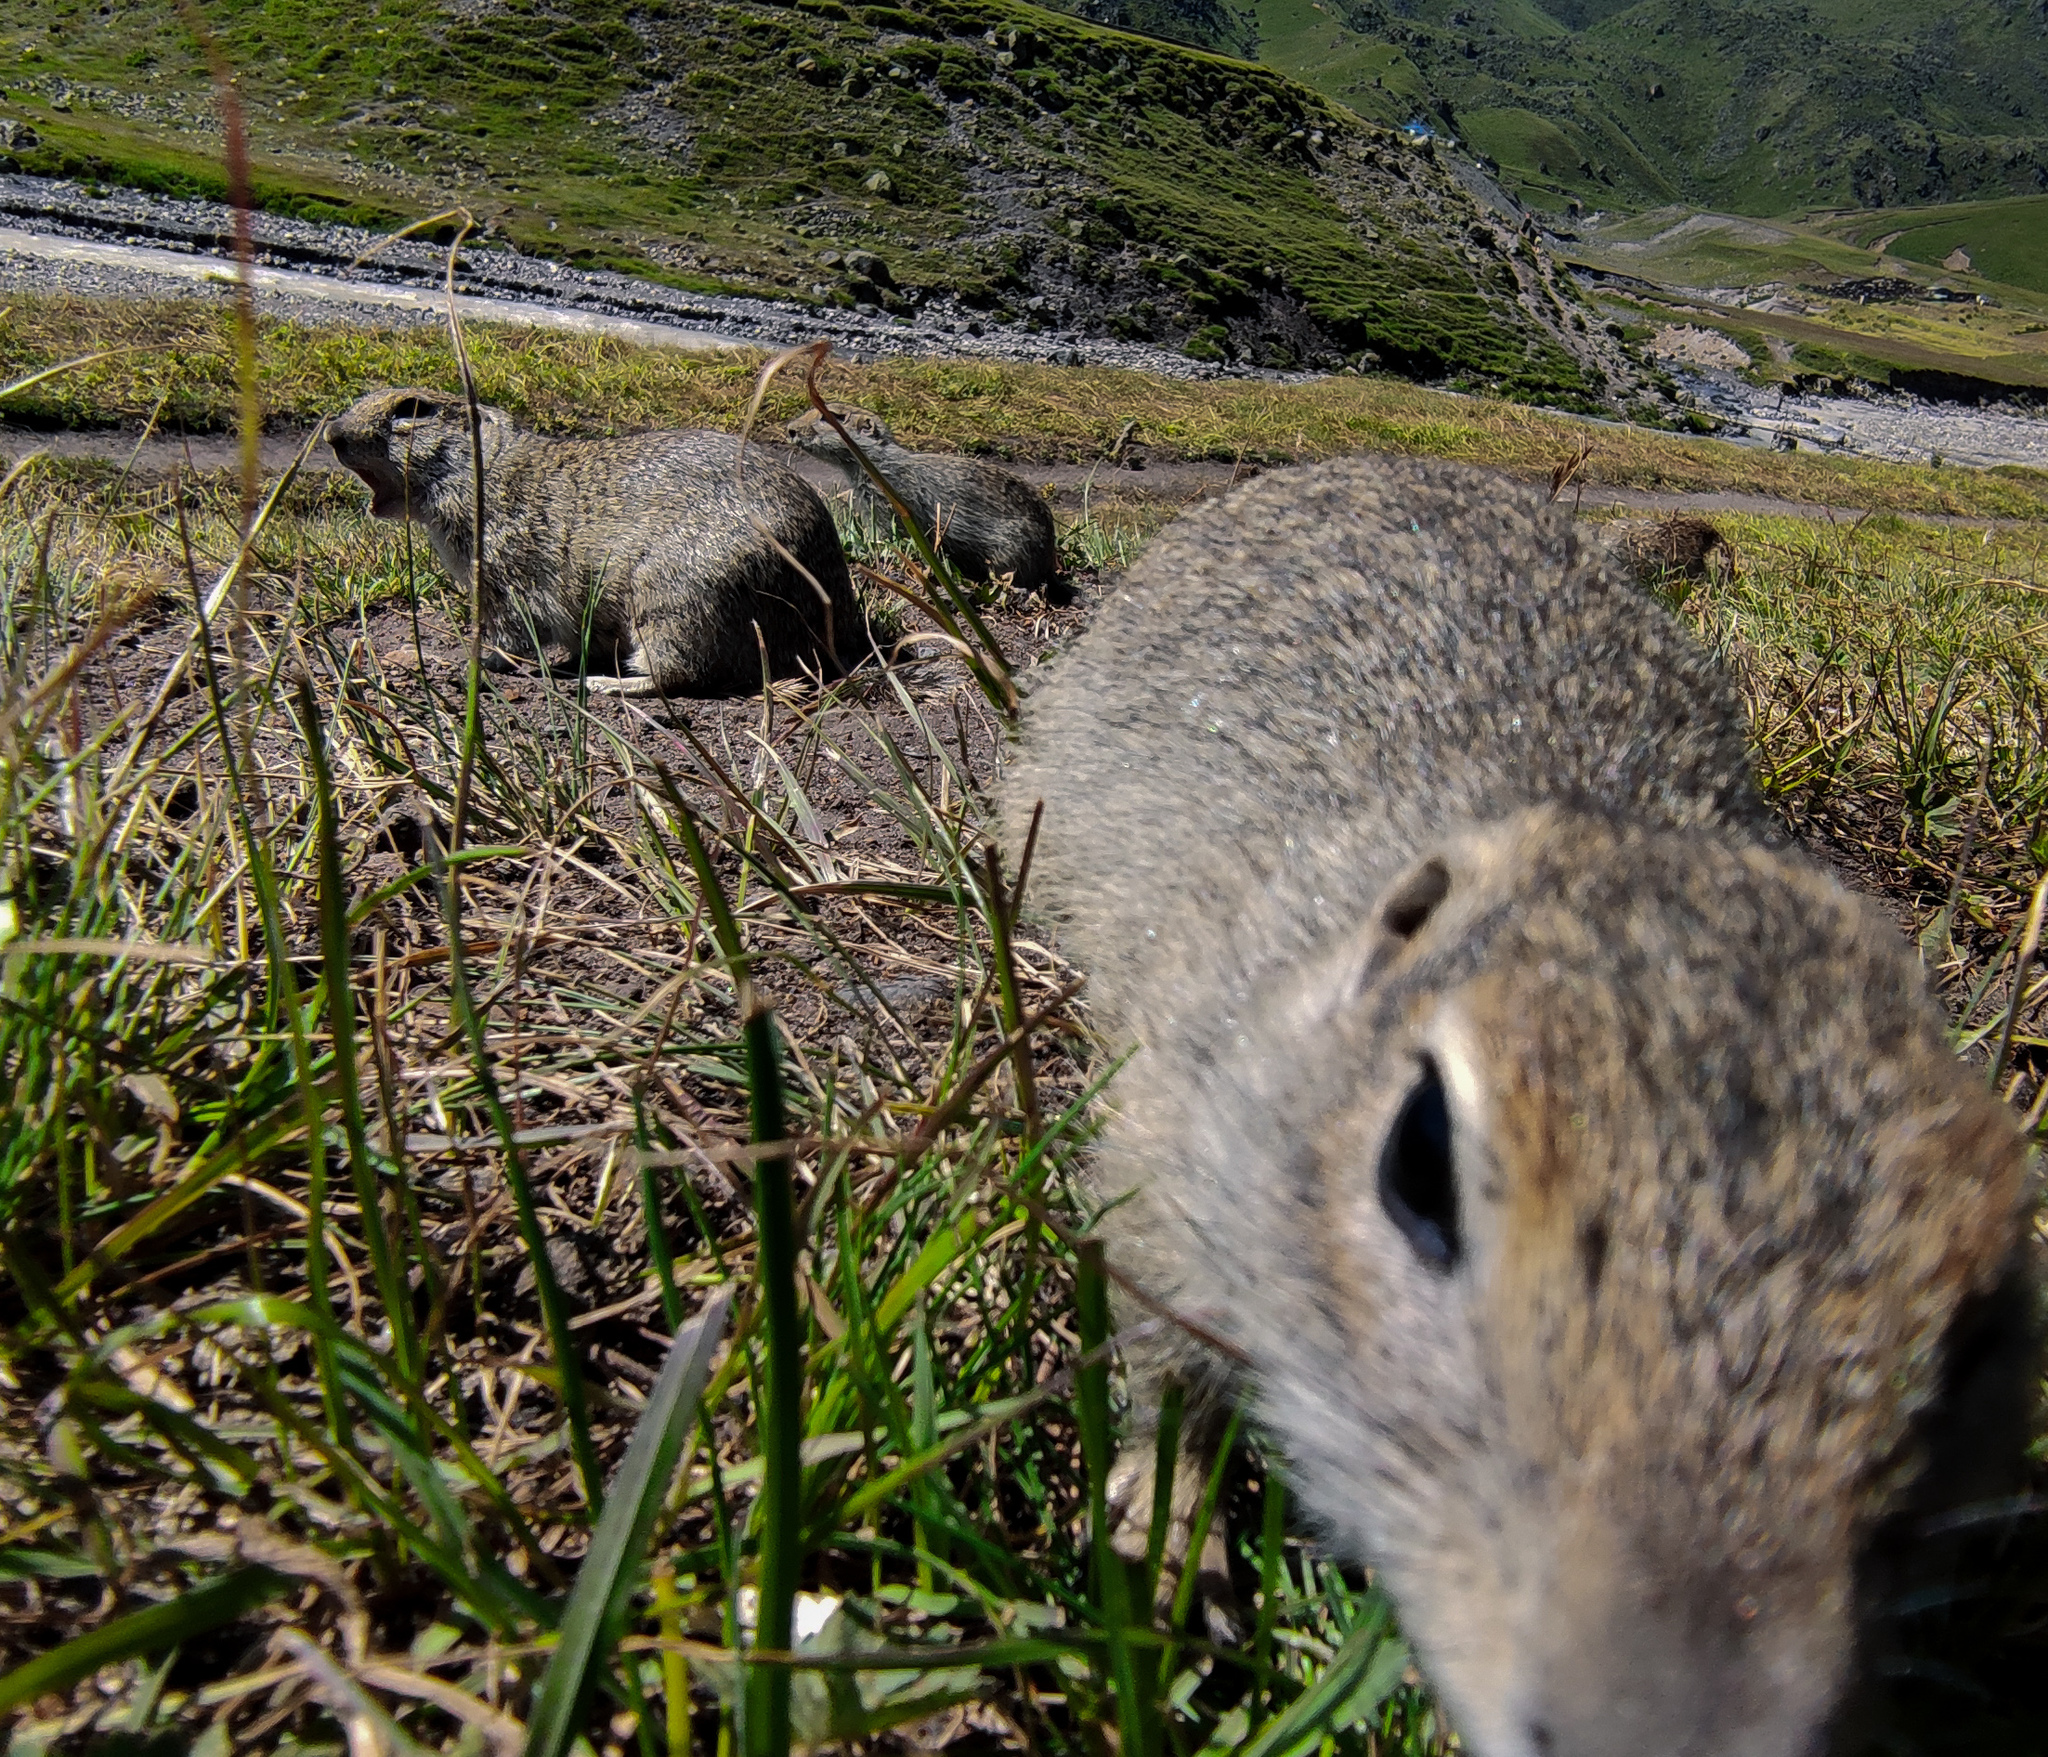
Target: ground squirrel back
(1612, 1245)
(990, 525)
(668, 556)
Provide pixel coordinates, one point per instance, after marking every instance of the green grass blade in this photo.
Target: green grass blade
(1198, 1533)
(781, 1511)
(1137, 1712)
(284, 993)
(1166, 1453)
(16, 386)
(554, 1312)
(341, 1022)
(145, 1631)
(1271, 1550)
(1357, 1681)
(591, 1621)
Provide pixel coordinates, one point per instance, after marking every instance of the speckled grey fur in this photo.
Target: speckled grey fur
(651, 543)
(1374, 778)
(989, 523)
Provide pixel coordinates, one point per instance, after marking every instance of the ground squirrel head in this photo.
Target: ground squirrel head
(812, 433)
(1652, 1241)
(1615, 1249)
(410, 445)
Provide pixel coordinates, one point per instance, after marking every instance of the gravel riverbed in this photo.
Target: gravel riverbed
(58, 236)
(1893, 425)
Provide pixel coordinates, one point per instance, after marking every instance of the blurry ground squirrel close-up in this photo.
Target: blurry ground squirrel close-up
(1574, 1175)
(990, 524)
(659, 555)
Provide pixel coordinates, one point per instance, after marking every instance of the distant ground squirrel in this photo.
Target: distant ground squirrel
(1682, 546)
(1613, 1247)
(644, 552)
(989, 523)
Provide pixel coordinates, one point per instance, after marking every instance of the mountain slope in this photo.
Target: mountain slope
(1751, 106)
(1009, 161)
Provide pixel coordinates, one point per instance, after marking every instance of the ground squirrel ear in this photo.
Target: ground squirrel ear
(1399, 918)
(1415, 899)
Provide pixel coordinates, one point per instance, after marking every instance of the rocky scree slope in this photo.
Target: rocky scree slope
(1021, 166)
(1750, 106)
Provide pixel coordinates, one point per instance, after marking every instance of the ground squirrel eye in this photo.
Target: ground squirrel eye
(1593, 1254)
(414, 409)
(1413, 904)
(1417, 1186)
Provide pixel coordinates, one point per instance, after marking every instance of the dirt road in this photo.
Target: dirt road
(1073, 485)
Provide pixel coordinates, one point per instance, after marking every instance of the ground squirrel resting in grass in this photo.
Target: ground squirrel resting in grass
(1682, 547)
(990, 524)
(1613, 1249)
(646, 553)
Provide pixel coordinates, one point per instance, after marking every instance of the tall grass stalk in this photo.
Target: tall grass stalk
(333, 901)
(780, 1520)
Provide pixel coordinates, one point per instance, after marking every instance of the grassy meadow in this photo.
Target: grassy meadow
(2006, 240)
(169, 366)
(532, 1225)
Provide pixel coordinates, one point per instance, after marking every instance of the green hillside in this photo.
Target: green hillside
(1015, 162)
(2003, 240)
(1749, 106)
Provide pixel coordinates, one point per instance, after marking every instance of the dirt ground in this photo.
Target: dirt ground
(565, 936)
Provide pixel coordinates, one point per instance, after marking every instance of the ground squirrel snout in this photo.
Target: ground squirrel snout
(1616, 1251)
(647, 553)
(989, 523)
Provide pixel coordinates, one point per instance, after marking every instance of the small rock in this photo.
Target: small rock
(878, 183)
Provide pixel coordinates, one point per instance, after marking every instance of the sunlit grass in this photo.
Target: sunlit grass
(237, 1076)
(175, 368)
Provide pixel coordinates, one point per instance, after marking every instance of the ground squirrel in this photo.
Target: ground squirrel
(646, 553)
(1611, 1244)
(989, 523)
(1682, 546)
